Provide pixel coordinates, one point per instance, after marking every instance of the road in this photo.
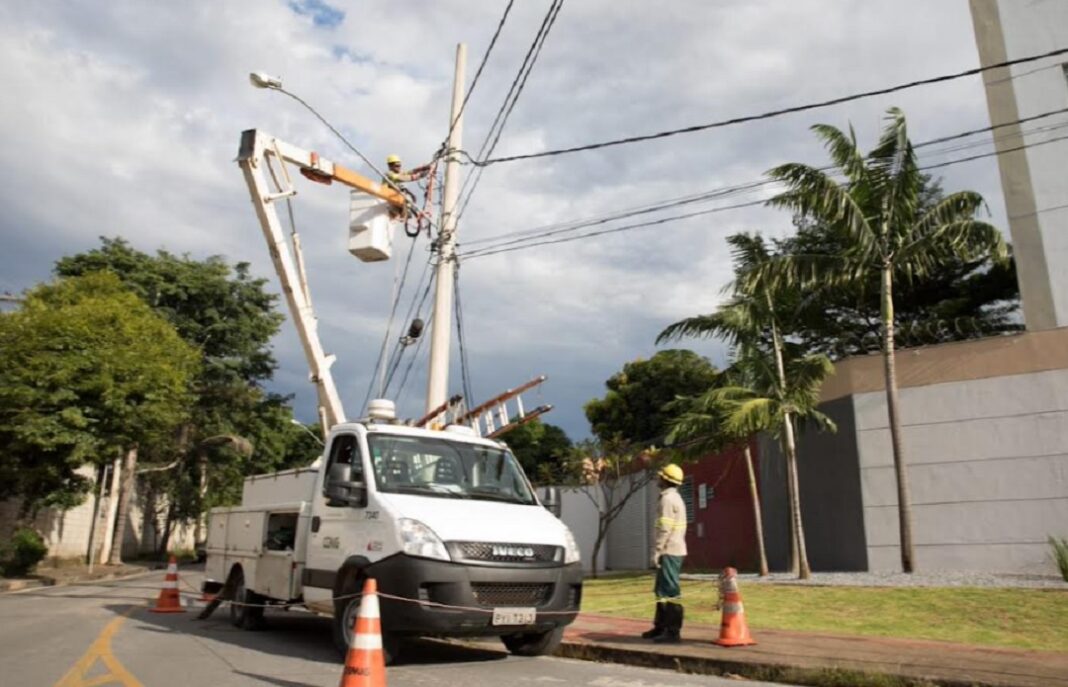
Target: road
(102, 634)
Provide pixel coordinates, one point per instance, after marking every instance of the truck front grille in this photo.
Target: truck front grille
(511, 594)
(504, 553)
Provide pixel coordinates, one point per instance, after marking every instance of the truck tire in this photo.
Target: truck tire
(534, 643)
(245, 617)
(345, 611)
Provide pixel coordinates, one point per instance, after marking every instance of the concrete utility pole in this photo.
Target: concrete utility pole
(438, 378)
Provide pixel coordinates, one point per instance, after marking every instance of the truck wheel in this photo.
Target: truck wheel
(534, 643)
(245, 617)
(345, 611)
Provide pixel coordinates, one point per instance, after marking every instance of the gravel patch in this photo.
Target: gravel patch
(945, 578)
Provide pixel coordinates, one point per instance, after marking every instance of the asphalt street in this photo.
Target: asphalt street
(103, 634)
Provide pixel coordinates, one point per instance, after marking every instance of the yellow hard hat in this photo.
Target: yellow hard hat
(671, 473)
(393, 158)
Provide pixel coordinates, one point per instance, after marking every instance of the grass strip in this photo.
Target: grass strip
(1016, 618)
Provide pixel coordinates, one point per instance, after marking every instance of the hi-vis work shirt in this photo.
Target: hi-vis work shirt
(671, 524)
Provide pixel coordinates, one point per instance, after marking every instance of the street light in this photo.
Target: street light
(262, 80)
(303, 426)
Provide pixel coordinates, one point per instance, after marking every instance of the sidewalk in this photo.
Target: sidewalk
(72, 574)
(809, 658)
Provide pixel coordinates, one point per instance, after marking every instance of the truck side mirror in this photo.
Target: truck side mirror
(340, 491)
(550, 498)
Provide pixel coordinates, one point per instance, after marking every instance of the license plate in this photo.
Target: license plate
(514, 616)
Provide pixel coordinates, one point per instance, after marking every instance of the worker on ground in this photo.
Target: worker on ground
(670, 536)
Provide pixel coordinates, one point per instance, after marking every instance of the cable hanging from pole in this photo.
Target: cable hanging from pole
(531, 243)
(764, 115)
(510, 99)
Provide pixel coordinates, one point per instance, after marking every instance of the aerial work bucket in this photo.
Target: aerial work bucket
(370, 228)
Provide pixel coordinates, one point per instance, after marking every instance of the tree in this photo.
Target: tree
(752, 321)
(541, 449)
(878, 218)
(617, 472)
(962, 299)
(229, 316)
(635, 408)
(88, 371)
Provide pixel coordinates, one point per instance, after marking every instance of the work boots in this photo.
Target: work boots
(658, 623)
(672, 624)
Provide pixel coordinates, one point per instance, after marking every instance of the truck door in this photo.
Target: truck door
(335, 530)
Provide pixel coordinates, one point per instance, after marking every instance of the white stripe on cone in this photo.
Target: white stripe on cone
(369, 607)
(367, 642)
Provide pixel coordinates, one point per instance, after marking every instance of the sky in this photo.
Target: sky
(122, 118)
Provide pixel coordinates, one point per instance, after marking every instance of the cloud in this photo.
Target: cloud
(123, 118)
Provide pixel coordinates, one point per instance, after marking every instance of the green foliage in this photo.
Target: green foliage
(636, 409)
(541, 449)
(961, 299)
(20, 554)
(1060, 555)
(231, 318)
(220, 309)
(884, 217)
(88, 371)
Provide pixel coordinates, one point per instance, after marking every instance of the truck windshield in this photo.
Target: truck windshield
(446, 469)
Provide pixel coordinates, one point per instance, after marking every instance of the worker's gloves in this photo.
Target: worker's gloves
(656, 560)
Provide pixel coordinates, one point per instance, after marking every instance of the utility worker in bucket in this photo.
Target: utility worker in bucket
(670, 536)
(397, 176)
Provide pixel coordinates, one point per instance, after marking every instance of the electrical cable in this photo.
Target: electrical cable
(330, 126)
(733, 190)
(465, 368)
(496, 251)
(510, 99)
(478, 72)
(419, 344)
(381, 362)
(996, 152)
(765, 115)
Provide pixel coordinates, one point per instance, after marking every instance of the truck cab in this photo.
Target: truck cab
(445, 522)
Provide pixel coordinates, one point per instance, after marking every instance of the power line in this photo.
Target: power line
(493, 250)
(613, 230)
(465, 367)
(720, 193)
(996, 152)
(381, 362)
(478, 72)
(510, 99)
(770, 114)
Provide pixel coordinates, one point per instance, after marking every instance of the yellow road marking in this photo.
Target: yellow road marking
(100, 650)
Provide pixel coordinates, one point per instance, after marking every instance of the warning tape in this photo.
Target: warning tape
(420, 602)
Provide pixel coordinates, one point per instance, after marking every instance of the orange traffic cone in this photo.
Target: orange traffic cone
(733, 630)
(365, 664)
(168, 601)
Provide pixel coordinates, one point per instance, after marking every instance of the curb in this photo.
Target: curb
(764, 671)
(23, 585)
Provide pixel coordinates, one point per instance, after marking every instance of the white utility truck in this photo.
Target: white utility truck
(437, 511)
(443, 519)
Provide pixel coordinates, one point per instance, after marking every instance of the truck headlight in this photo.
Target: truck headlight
(571, 547)
(419, 540)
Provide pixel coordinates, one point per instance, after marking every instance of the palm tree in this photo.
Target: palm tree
(751, 322)
(878, 214)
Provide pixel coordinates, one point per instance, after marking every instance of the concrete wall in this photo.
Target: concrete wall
(579, 508)
(67, 532)
(988, 472)
(1033, 179)
(630, 542)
